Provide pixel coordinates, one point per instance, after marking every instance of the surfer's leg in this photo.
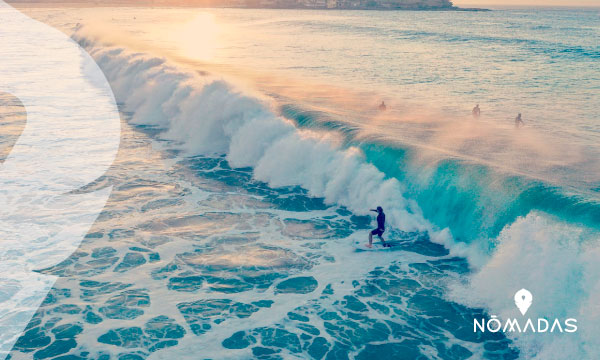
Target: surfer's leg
(382, 241)
(370, 239)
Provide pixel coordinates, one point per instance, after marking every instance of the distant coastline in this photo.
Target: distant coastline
(381, 5)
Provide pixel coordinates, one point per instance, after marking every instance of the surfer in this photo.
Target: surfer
(518, 121)
(476, 111)
(380, 228)
(382, 106)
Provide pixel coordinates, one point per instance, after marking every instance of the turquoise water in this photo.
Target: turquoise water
(246, 172)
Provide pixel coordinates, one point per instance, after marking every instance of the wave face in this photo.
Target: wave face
(521, 232)
(475, 201)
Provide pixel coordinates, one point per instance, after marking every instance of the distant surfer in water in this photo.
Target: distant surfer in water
(382, 106)
(518, 121)
(380, 228)
(476, 111)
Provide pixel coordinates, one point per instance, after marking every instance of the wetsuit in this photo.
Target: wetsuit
(380, 225)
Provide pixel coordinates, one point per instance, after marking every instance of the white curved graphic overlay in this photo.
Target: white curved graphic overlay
(70, 139)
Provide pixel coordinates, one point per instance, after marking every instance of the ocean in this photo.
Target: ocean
(252, 149)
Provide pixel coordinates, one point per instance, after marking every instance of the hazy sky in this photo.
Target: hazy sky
(527, 2)
(462, 3)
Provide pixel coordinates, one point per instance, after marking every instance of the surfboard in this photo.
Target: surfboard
(361, 245)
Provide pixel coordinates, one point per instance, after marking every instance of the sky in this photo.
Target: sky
(465, 3)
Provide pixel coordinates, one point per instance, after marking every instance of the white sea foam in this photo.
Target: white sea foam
(555, 263)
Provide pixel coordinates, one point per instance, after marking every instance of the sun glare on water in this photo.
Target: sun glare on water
(197, 38)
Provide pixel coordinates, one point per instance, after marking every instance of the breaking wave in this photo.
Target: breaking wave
(516, 231)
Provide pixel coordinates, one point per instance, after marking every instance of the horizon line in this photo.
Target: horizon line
(197, 3)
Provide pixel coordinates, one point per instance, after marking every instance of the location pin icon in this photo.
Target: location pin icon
(523, 300)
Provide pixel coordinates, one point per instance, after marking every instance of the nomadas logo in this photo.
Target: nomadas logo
(523, 300)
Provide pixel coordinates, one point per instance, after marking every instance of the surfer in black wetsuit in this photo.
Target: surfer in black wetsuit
(476, 112)
(382, 106)
(519, 121)
(380, 228)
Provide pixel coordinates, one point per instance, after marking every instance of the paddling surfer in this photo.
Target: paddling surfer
(519, 121)
(476, 112)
